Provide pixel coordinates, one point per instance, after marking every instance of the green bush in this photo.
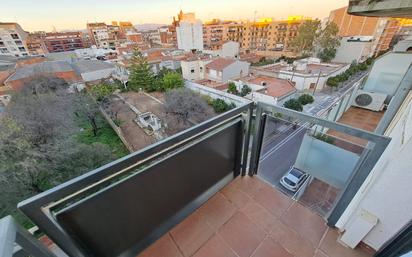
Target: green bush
(324, 138)
(171, 80)
(220, 106)
(101, 91)
(293, 104)
(306, 99)
(245, 90)
(332, 82)
(232, 88)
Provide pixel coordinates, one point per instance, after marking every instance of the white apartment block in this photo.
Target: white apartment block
(13, 40)
(190, 34)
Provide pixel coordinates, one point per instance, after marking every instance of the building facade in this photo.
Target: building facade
(13, 40)
(63, 41)
(189, 33)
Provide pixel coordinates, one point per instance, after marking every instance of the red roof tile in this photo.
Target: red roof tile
(220, 63)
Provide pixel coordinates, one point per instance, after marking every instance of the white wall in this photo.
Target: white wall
(353, 51)
(190, 36)
(198, 67)
(387, 72)
(96, 75)
(387, 192)
(235, 70)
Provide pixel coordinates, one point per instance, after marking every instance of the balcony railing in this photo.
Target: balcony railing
(124, 206)
(384, 8)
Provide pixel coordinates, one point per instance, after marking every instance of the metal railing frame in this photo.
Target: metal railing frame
(362, 169)
(38, 207)
(17, 241)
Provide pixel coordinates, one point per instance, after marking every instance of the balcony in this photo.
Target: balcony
(382, 8)
(189, 195)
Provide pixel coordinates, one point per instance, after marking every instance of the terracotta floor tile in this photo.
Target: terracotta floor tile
(249, 185)
(292, 241)
(306, 223)
(268, 248)
(242, 235)
(217, 210)
(332, 248)
(319, 253)
(191, 233)
(215, 247)
(236, 196)
(162, 247)
(273, 200)
(260, 216)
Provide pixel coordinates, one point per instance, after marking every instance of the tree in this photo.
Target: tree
(232, 88)
(87, 110)
(293, 104)
(172, 80)
(39, 147)
(304, 42)
(327, 41)
(306, 99)
(245, 90)
(332, 82)
(102, 91)
(141, 75)
(183, 108)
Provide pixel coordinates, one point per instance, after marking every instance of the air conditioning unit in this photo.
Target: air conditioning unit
(369, 100)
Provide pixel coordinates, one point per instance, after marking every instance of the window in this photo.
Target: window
(4, 50)
(1, 43)
(18, 42)
(22, 49)
(14, 36)
(192, 71)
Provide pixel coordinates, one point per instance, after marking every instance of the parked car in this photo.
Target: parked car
(293, 179)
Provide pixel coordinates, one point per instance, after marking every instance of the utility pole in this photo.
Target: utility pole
(316, 85)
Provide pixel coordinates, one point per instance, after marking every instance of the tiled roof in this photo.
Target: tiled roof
(39, 68)
(274, 86)
(91, 65)
(220, 63)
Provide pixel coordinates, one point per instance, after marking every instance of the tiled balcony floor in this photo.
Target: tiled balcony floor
(250, 218)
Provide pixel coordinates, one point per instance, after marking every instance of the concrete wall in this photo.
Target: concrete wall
(235, 70)
(387, 192)
(96, 75)
(387, 73)
(348, 52)
(198, 67)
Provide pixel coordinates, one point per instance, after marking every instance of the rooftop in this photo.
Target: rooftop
(250, 218)
(220, 63)
(305, 69)
(38, 68)
(274, 86)
(90, 65)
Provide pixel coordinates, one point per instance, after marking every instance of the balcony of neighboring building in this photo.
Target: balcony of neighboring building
(386, 8)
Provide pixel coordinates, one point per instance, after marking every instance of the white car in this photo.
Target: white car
(293, 179)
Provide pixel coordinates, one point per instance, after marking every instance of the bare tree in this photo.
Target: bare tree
(184, 108)
(88, 110)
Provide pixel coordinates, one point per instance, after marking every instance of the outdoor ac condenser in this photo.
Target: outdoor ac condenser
(369, 100)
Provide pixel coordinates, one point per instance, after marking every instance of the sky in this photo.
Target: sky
(74, 14)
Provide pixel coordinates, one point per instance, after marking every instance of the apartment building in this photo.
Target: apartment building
(189, 33)
(13, 39)
(106, 36)
(382, 29)
(35, 43)
(63, 41)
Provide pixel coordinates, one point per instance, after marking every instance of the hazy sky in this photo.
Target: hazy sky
(74, 14)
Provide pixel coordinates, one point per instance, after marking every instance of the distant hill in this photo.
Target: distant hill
(148, 26)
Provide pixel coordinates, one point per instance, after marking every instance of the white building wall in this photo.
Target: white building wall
(96, 75)
(349, 51)
(13, 46)
(198, 68)
(190, 36)
(235, 70)
(387, 192)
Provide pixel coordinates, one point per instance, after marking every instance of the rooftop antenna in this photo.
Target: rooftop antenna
(254, 16)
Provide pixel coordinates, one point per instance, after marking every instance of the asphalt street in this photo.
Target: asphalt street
(279, 151)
